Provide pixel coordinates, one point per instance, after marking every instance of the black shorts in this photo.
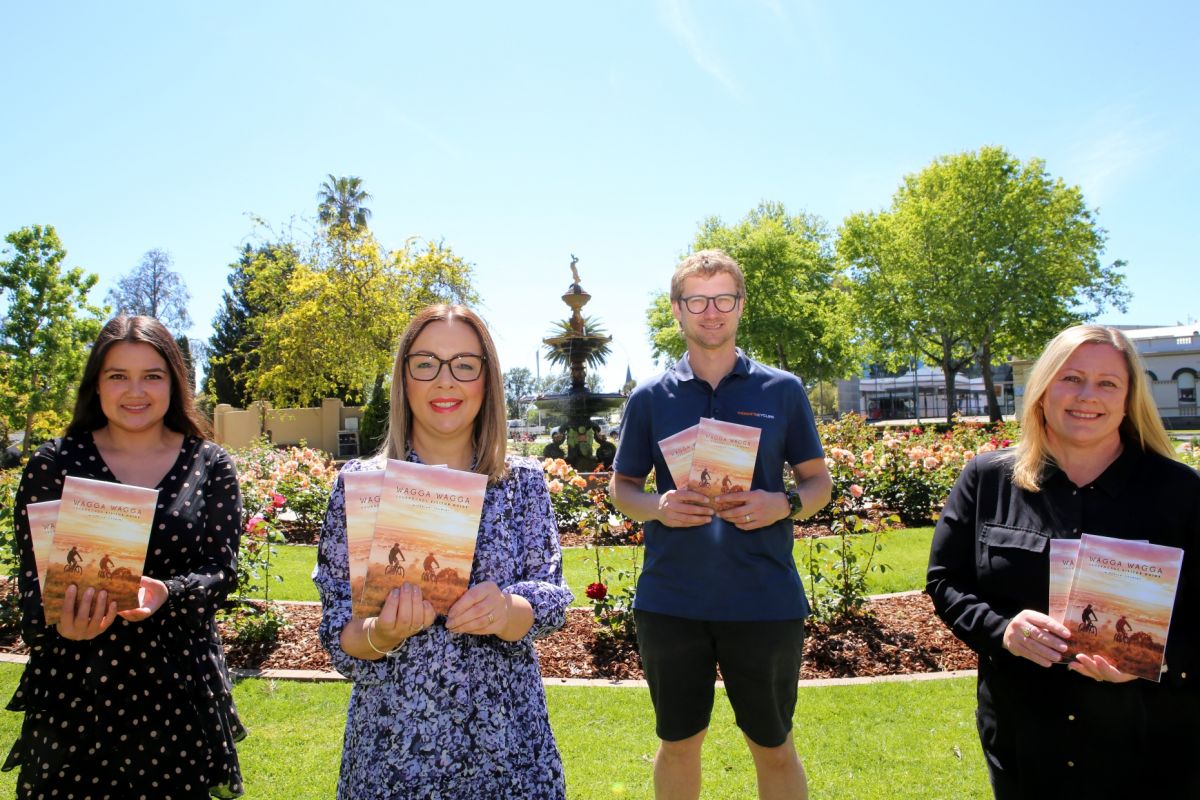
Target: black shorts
(760, 662)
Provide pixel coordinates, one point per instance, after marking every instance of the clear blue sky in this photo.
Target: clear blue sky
(520, 133)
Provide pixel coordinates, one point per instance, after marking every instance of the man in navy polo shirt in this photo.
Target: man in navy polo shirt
(720, 587)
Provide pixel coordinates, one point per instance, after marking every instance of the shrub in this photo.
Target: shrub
(838, 572)
(10, 557)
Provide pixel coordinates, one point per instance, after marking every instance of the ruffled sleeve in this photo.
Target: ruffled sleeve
(195, 596)
(540, 579)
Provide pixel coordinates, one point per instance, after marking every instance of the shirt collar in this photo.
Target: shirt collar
(683, 367)
(1114, 477)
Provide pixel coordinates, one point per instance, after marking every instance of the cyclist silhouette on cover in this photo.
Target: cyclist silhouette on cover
(1089, 619)
(428, 565)
(1123, 629)
(395, 555)
(705, 477)
(106, 565)
(73, 559)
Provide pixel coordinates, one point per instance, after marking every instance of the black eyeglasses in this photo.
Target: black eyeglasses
(698, 303)
(465, 367)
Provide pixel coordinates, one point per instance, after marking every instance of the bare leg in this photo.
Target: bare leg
(780, 772)
(677, 768)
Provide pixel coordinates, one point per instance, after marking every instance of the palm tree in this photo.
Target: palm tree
(342, 202)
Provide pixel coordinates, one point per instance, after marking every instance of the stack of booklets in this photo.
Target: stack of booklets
(411, 523)
(712, 457)
(1116, 596)
(94, 537)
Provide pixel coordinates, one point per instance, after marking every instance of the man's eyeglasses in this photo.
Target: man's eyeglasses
(465, 367)
(698, 303)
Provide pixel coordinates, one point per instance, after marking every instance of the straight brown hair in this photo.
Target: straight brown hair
(490, 434)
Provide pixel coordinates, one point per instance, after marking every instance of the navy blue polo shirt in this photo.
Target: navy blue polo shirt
(716, 571)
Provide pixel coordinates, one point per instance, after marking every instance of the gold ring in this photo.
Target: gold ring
(1027, 632)
(748, 518)
(491, 618)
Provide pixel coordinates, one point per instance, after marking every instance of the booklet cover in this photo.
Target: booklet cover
(1120, 602)
(723, 460)
(99, 542)
(677, 452)
(425, 533)
(362, 504)
(1063, 553)
(42, 519)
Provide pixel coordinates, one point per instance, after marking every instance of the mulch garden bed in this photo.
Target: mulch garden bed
(903, 636)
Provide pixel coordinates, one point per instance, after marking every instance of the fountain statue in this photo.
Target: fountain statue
(578, 343)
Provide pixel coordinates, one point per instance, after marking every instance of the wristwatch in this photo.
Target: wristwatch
(795, 503)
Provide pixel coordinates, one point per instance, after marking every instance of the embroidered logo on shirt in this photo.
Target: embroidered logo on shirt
(755, 414)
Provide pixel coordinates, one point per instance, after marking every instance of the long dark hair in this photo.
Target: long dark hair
(181, 417)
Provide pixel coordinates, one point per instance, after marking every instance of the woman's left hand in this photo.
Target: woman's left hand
(482, 611)
(1099, 668)
(151, 596)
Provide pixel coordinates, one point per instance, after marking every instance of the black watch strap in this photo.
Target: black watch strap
(795, 503)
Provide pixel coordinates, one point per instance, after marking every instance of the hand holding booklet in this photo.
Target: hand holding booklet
(424, 533)
(99, 542)
(1119, 602)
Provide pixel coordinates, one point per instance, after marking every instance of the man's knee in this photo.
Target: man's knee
(783, 756)
(681, 750)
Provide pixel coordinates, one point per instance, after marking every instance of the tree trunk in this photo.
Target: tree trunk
(30, 413)
(782, 356)
(989, 383)
(951, 405)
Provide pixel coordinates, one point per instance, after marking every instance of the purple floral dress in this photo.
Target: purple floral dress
(454, 715)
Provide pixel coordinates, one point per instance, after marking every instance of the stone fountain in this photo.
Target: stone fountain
(576, 346)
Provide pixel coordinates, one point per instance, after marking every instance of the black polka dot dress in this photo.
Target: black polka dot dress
(144, 710)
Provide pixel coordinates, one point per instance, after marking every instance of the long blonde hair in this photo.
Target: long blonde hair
(490, 435)
(1141, 426)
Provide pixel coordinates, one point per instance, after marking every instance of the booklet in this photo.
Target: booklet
(677, 452)
(1063, 553)
(425, 533)
(1120, 602)
(42, 519)
(100, 542)
(362, 504)
(723, 460)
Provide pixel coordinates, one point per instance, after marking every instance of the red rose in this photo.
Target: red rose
(597, 591)
(278, 501)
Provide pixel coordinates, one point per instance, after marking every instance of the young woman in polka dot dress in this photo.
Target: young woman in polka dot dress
(136, 703)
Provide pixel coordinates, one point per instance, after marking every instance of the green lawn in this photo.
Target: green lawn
(886, 741)
(906, 554)
(294, 563)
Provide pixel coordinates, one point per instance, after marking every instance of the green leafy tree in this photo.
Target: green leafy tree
(978, 255)
(797, 314)
(233, 347)
(374, 424)
(153, 289)
(345, 305)
(341, 202)
(518, 383)
(47, 330)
